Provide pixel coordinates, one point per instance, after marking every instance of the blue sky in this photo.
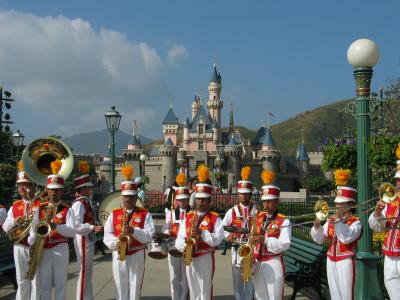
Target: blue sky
(283, 56)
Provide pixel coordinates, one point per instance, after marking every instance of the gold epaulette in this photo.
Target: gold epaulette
(190, 212)
(66, 205)
(214, 213)
(281, 215)
(117, 208)
(17, 201)
(141, 209)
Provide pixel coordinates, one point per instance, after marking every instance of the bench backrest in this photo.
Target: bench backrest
(304, 251)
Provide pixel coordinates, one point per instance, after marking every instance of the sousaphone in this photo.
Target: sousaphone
(39, 154)
(36, 159)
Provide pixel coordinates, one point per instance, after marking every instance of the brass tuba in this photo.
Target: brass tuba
(40, 153)
(190, 242)
(387, 192)
(246, 251)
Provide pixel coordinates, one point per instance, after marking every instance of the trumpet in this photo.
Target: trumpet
(387, 192)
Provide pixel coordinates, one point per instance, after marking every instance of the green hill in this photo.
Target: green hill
(319, 124)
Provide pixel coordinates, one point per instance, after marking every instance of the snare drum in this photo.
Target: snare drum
(172, 249)
(157, 250)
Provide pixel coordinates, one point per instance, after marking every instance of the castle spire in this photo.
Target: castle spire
(231, 123)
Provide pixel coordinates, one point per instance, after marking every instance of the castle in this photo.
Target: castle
(202, 140)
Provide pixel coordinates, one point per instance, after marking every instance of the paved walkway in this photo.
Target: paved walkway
(155, 284)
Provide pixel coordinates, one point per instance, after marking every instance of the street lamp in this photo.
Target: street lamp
(143, 158)
(113, 119)
(363, 54)
(18, 140)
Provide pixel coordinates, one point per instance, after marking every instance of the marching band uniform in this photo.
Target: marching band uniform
(240, 216)
(201, 271)
(269, 269)
(391, 243)
(84, 241)
(342, 239)
(53, 264)
(21, 208)
(128, 274)
(177, 271)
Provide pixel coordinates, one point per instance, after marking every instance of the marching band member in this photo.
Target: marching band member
(391, 243)
(85, 227)
(342, 231)
(240, 215)
(23, 208)
(54, 260)
(173, 220)
(128, 254)
(273, 238)
(205, 227)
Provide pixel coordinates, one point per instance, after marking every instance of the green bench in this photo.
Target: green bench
(7, 266)
(304, 265)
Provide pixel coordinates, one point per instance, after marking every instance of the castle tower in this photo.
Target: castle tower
(269, 154)
(215, 133)
(232, 153)
(231, 122)
(215, 103)
(171, 126)
(133, 151)
(195, 105)
(186, 136)
(168, 153)
(303, 161)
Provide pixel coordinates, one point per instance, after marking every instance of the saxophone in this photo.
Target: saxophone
(246, 251)
(123, 239)
(42, 230)
(190, 242)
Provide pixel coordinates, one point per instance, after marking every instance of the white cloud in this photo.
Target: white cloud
(65, 75)
(175, 53)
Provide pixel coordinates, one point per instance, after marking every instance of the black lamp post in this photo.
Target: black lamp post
(113, 119)
(18, 141)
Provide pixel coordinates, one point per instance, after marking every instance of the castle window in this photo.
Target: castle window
(215, 98)
(201, 145)
(201, 128)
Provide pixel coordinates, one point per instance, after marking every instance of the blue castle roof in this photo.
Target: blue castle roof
(302, 153)
(170, 118)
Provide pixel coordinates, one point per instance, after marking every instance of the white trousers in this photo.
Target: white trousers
(268, 279)
(128, 275)
(53, 271)
(392, 276)
(241, 290)
(178, 281)
(341, 278)
(200, 275)
(26, 289)
(84, 250)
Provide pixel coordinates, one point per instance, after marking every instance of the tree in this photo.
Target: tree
(318, 184)
(382, 157)
(340, 156)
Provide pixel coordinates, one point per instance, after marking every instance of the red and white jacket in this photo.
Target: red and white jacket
(173, 220)
(277, 234)
(139, 218)
(19, 209)
(342, 238)
(239, 216)
(212, 232)
(391, 243)
(63, 216)
(84, 216)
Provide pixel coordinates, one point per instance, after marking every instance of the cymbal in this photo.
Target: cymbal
(236, 229)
